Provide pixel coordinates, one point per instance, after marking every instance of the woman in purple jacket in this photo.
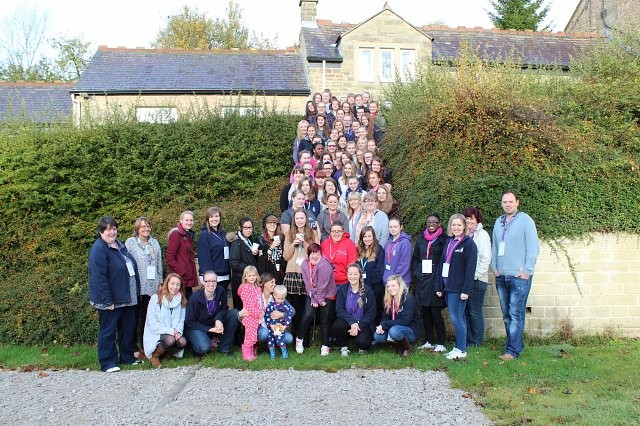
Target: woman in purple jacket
(397, 253)
(317, 274)
(456, 277)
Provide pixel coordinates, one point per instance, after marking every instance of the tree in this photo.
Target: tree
(72, 58)
(194, 30)
(518, 14)
(21, 42)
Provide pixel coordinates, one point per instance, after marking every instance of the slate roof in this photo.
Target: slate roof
(37, 102)
(532, 48)
(153, 71)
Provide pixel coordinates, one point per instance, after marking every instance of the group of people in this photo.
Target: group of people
(337, 253)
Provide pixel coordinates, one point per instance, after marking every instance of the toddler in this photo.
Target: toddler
(277, 327)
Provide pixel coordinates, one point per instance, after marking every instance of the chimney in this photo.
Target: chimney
(308, 13)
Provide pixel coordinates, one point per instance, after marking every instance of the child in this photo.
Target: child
(353, 185)
(251, 295)
(277, 327)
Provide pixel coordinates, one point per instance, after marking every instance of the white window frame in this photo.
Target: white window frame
(408, 61)
(163, 115)
(242, 111)
(366, 63)
(387, 68)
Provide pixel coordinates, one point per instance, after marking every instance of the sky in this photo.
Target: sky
(135, 23)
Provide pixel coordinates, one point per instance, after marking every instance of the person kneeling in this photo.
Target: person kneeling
(400, 319)
(164, 325)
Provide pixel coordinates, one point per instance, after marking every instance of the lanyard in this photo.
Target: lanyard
(393, 309)
(214, 233)
(451, 250)
(392, 249)
(363, 262)
(311, 268)
(429, 248)
(505, 224)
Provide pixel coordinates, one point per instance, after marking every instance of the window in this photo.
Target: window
(156, 114)
(365, 65)
(386, 65)
(257, 112)
(408, 64)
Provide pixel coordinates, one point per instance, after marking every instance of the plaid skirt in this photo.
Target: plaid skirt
(294, 283)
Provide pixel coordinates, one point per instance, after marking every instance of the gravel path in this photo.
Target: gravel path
(206, 396)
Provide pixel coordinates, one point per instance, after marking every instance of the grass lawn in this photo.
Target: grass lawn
(592, 381)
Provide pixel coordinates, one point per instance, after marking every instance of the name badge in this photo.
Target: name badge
(223, 277)
(278, 267)
(387, 267)
(427, 266)
(226, 253)
(132, 272)
(151, 272)
(501, 248)
(445, 270)
(364, 275)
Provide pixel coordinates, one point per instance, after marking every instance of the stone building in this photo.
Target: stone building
(601, 16)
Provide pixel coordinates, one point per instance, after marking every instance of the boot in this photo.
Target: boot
(155, 358)
(405, 347)
(272, 353)
(285, 353)
(247, 353)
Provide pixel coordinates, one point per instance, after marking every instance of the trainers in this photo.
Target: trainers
(324, 350)
(299, 345)
(389, 339)
(344, 351)
(112, 370)
(456, 354)
(426, 345)
(440, 348)
(362, 352)
(137, 362)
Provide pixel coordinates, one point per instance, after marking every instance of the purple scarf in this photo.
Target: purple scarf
(430, 237)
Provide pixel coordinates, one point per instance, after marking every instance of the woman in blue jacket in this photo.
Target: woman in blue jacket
(355, 313)
(213, 247)
(371, 262)
(455, 278)
(114, 288)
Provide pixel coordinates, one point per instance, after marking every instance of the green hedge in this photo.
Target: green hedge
(56, 184)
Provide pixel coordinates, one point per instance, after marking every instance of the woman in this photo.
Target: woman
(400, 319)
(297, 173)
(397, 252)
(318, 186)
(340, 251)
(146, 252)
(317, 274)
(355, 313)
(473, 312)
(164, 327)
(268, 285)
(328, 216)
(244, 252)
(455, 279)
(213, 247)
(322, 127)
(348, 169)
(342, 142)
(113, 292)
(371, 261)
(374, 181)
(386, 202)
(296, 242)
(311, 203)
(377, 166)
(332, 142)
(181, 253)
(374, 217)
(310, 113)
(298, 202)
(301, 135)
(424, 269)
(271, 239)
(354, 210)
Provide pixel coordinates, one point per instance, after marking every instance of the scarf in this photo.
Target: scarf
(430, 237)
(166, 311)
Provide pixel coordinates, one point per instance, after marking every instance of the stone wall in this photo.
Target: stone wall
(605, 299)
(587, 17)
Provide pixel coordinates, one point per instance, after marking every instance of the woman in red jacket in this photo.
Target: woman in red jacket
(341, 252)
(180, 252)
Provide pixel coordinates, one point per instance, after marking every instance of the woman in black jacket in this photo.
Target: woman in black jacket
(371, 261)
(244, 251)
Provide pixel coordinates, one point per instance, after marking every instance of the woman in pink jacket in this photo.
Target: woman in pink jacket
(317, 274)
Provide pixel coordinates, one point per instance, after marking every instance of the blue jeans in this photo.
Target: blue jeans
(458, 318)
(397, 333)
(513, 293)
(120, 322)
(263, 335)
(474, 314)
(201, 340)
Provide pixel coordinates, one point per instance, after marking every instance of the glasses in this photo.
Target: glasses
(331, 145)
(145, 226)
(272, 223)
(298, 172)
(210, 281)
(432, 222)
(247, 227)
(307, 169)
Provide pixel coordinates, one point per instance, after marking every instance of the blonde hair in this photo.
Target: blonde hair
(353, 195)
(247, 271)
(459, 217)
(396, 300)
(280, 290)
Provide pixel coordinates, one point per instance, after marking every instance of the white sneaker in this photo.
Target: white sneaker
(324, 350)
(299, 346)
(456, 354)
(112, 370)
(427, 345)
(389, 339)
(344, 351)
(440, 348)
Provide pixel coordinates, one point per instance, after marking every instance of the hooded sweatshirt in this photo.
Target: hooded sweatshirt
(340, 254)
(397, 256)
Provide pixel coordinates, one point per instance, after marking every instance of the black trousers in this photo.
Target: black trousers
(325, 317)
(341, 332)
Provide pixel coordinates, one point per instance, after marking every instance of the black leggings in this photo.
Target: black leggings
(167, 341)
(341, 329)
(432, 318)
(325, 316)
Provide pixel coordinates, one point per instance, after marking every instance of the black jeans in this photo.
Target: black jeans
(341, 332)
(432, 318)
(325, 317)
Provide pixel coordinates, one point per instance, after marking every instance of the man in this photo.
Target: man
(209, 323)
(514, 254)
